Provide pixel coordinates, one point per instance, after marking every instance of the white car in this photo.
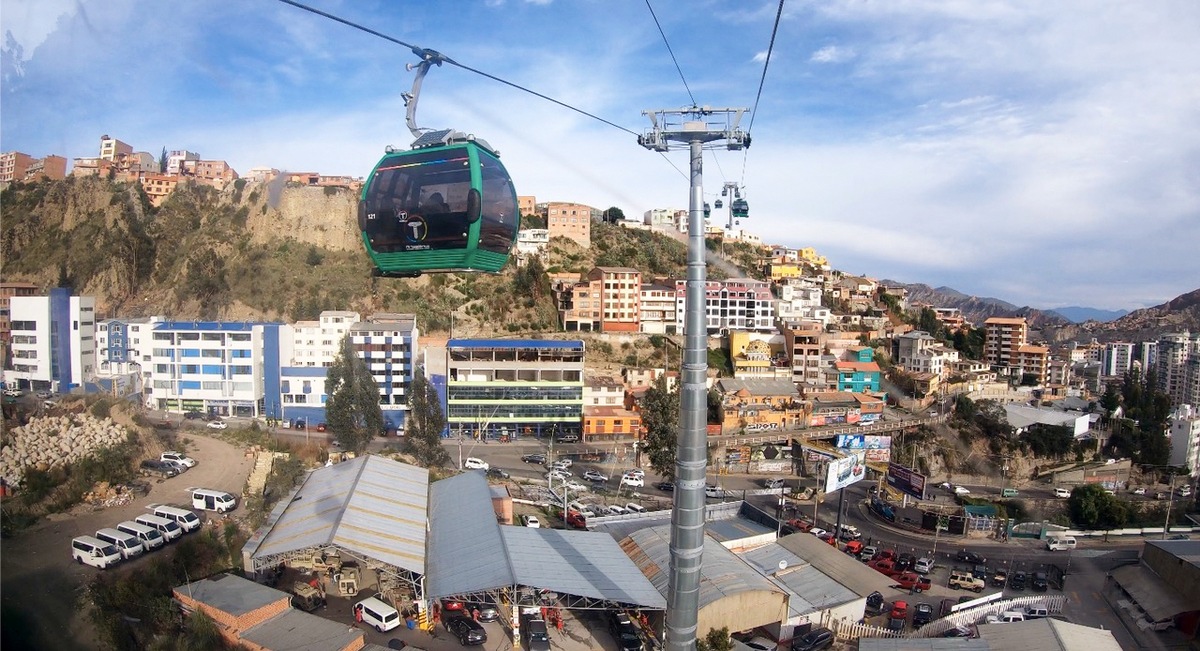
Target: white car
(959, 490)
(532, 521)
(617, 510)
(633, 480)
(633, 507)
(13, 393)
(923, 566)
(594, 475)
(575, 486)
(45, 394)
(565, 463)
(636, 471)
(216, 424)
(561, 475)
(1062, 493)
(714, 491)
(178, 457)
(475, 463)
(1140, 490)
(817, 531)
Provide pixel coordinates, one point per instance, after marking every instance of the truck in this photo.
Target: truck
(913, 581)
(306, 597)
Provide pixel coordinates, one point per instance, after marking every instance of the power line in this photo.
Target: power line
(422, 52)
(762, 80)
(672, 52)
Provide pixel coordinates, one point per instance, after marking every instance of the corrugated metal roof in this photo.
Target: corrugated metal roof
(811, 589)
(735, 528)
(1048, 634)
(1159, 599)
(921, 644)
(370, 505)
(581, 563)
(722, 573)
(466, 552)
(470, 552)
(843, 569)
(296, 630)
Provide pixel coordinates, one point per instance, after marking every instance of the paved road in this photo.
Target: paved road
(41, 583)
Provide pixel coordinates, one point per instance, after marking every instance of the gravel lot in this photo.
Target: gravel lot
(40, 582)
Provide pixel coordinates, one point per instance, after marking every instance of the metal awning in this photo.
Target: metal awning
(1155, 596)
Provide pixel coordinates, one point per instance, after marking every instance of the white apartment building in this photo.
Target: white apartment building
(1178, 367)
(532, 242)
(919, 352)
(801, 302)
(731, 304)
(214, 367)
(389, 345)
(1185, 439)
(657, 309)
(1118, 359)
(316, 343)
(603, 391)
(53, 341)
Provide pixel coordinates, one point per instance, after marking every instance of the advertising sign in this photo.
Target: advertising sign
(845, 471)
(878, 448)
(906, 480)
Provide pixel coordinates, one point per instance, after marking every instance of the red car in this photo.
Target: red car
(452, 604)
(884, 554)
(913, 581)
(883, 566)
(320, 427)
(899, 610)
(803, 526)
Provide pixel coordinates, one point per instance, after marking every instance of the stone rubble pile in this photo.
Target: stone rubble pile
(55, 441)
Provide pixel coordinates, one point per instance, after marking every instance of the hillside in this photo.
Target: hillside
(259, 252)
(1076, 314)
(976, 309)
(1178, 314)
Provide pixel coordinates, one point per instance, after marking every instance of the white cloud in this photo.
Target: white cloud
(832, 54)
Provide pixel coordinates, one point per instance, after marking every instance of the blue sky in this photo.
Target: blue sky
(1044, 153)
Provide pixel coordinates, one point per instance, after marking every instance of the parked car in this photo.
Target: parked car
(1062, 493)
(532, 521)
(905, 562)
(616, 509)
(633, 481)
(624, 633)
(895, 624)
(595, 475)
(714, 491)
(565, 463)
(854, 547)
(922, 615)
(467, 630)
(999, 579)
(665, 486)
(634, 507)
(883, 566)
(913, 581)
(760, 643)
(636, 472)
(486, 607)
(172, 455)
(561, 475)
(1140, 490)
(193, 415)
(814, 640)
(1039, 582)
(497, 473)
(45, 395)
(868, 553)
(875, 604)
(216, 424)
(900, 609)
(960, 580)
(967, 556)
(575, 486)
(155, 468)
(534, 458)
(321, 427)
(923, 565)
(962, 630)
(800, 525)
(1017, 581)
(475, 463)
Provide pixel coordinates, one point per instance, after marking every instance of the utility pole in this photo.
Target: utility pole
(695, 127)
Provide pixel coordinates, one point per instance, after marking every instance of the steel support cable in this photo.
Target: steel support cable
(671, 52)
(762, 81)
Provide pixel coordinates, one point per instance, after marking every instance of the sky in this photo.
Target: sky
(1043, 153)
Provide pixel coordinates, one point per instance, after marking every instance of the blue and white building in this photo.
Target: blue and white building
(53, 341)
(215, 367)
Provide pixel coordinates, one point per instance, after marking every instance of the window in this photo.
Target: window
(189, 368)
(211, 369)
(241, 370)
(189, 352)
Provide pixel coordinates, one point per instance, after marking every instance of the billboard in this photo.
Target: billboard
(878, 448)
(845, 471)
(906, 480)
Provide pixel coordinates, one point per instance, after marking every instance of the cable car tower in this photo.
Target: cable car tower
(696, 128)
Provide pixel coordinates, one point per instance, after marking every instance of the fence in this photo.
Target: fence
(846, 630)
(1054, 603)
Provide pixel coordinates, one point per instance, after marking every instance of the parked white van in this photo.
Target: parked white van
(125, 543)
(377, 614)
(182, 517)
(208, 499)
(150, 538)
(87, 550)
(583, 509)
(168, 528)
(1012, 616)
(1059, 543)
(1037, 611)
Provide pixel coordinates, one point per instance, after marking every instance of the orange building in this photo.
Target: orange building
(570, 220)
(604, 423)
(13, 165)
(527, 205)
(158, 186)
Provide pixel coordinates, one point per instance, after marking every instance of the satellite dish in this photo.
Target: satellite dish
(782, 565)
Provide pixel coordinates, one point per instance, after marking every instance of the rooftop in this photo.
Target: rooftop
(231, 594)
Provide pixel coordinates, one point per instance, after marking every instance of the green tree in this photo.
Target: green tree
(426, 422)
(929, 322)
(162, 161)
(352, 410)
(1092, 508)
(614, 215)
(660, 417)
(1111, 400)
(715, 640)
